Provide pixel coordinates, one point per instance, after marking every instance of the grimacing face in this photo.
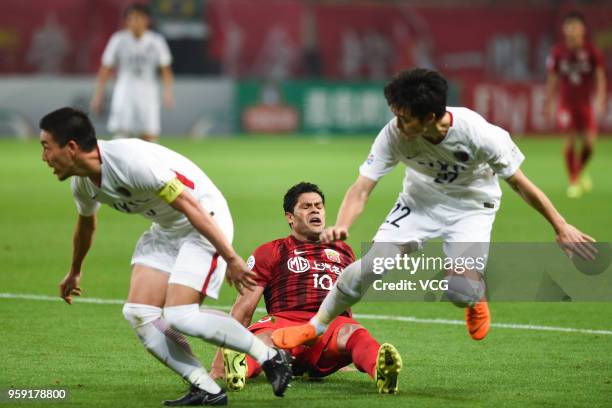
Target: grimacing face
(60, 159)
(308, 217)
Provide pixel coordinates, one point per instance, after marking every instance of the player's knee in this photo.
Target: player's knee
(139, 315)
(463, 291)
(345, 333)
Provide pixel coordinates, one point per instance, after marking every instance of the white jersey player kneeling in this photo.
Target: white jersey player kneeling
(182, 258)
(136, 53)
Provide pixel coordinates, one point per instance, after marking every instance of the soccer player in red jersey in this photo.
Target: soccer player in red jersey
(294, 274)
(575, 70)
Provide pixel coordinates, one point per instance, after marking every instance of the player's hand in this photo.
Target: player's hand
(550, 109)
(96, 104)
(168, 100)
(335, 233)
(573, 241)
(69, 287)
(239, 275)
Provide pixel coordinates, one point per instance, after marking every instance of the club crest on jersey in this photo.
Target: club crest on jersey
(332, 255)
(298, 264)
(251, 262)
(370, 159)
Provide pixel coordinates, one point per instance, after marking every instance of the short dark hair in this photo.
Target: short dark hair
(66, 124)
(573, 15)
(292, 195)
(420, 90)
(138, 8)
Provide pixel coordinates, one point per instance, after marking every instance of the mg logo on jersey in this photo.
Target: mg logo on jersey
(332, 255)
(297, 264)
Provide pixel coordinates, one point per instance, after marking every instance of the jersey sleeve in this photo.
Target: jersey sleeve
(165, 57)
(499, 151)
(382, 158)
(598, 59)
(86, 206)
(110, 55)
(262, 263)
(151, 175)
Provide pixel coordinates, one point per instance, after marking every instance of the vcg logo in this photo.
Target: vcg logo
(298, 264)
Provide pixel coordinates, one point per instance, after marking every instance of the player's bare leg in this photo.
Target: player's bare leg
(144, 312)
(586, 153)
(182, 310)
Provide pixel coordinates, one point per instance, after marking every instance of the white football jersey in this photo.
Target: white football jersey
(136, 59)
(464, 165)
(133, 174)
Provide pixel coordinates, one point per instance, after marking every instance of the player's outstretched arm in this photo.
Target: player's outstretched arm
(600, 91)
(237, 272)
(81, 242)
(96, 101)
(551, 92)
(352, 206)
(168, 84)
(571, 239)
(242, 310)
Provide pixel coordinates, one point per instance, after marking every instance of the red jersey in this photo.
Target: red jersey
(576, 71)
(298, 275)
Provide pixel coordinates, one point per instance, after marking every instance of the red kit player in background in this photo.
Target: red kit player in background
(576, 71)
(294, 274)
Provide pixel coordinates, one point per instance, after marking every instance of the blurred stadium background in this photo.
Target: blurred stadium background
(251, 76)
(294, 66)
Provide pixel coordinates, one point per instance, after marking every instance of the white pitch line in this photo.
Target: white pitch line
(407, 319)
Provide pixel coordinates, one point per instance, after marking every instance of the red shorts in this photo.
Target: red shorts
(319, 359)
(579, 118)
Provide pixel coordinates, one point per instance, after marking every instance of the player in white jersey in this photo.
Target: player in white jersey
(181, 259)
(136, 53)
(453, 160)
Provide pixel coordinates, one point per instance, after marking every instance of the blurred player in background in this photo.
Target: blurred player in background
(453, 159)
(181, 259)
(576, 71)
(294, 274)
(136, 53)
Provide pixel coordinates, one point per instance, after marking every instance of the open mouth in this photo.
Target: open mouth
(316, 221)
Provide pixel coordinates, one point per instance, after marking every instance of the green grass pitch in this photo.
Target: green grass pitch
(91, 350)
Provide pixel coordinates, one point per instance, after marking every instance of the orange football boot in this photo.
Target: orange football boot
(478, 320)
(293, 336)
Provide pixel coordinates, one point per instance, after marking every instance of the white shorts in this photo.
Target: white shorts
(413, 221)
(189, 258)
(135, 109)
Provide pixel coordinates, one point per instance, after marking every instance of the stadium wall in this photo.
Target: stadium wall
(203, 106)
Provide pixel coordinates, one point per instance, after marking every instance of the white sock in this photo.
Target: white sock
(203, 381)
(167, 345)
(217, 328)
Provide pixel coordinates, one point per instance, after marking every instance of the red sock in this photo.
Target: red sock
(364, 350)
(571, 163)
(585, 155)
(253, 368)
